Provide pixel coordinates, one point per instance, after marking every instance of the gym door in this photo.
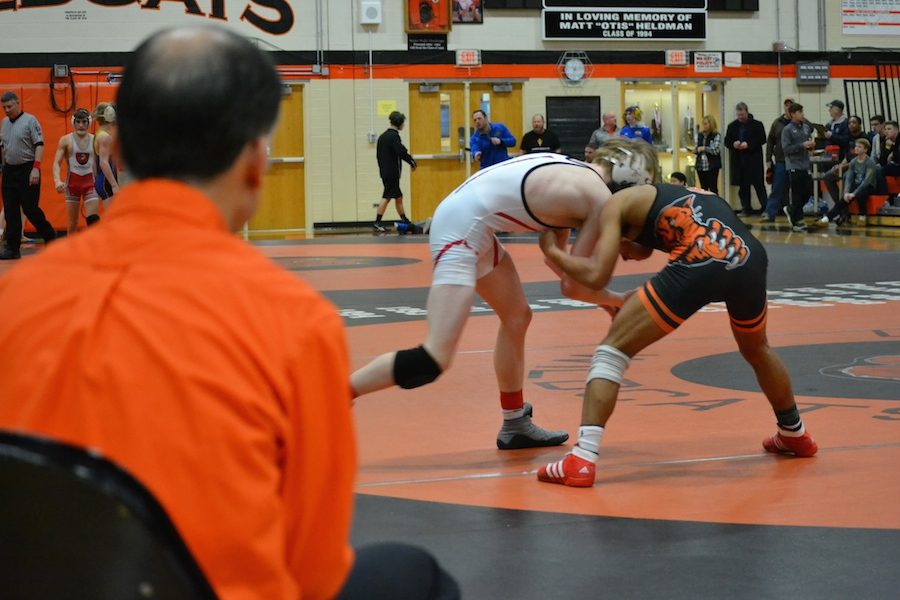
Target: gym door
(440, 123)
(436, 114)
(283, 207)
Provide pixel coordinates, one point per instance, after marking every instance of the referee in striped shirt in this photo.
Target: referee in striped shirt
(22, 149)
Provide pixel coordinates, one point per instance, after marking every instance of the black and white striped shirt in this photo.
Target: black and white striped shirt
(20, 138)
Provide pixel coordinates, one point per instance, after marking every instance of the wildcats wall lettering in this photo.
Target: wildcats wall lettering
(277, 19)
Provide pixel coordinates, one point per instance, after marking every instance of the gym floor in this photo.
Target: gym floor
(686, 504)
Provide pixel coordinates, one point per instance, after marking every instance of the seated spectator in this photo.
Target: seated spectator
(836, 173)
(539, 139)
(181, 353)
(859, 184)
(635, 128)
(678, 178)
(876, 136)
(890, 150)
(589, 153)
(837, 130)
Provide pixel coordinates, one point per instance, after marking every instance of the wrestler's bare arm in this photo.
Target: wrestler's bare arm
(104, 146)
(595, 271)
(62, 152)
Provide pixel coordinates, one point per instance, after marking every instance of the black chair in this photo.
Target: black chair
(75, 525)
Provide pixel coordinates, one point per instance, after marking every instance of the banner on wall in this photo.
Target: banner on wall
(623, 24)
(870, 17)
(119, 25)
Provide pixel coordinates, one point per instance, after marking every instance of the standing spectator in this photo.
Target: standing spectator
(589, 153)
(107, 173)
(76, 149)
(796, 142)
(608, 130)
(182, 353)
(876, 136)
(709, 154)
(390, 151)
(634, 128)
(490, 140)
(22, 150)
(540, 139)
(779, 197)
(859, 184)
(837, 133)
(745, 138)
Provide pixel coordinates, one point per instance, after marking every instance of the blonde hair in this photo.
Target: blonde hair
(713, 126)
(105, 113)
(625, 156)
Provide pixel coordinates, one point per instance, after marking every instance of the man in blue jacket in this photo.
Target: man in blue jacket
(489, 140)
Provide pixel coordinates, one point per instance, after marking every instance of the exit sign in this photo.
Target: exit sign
(468, 58)
(678, 58)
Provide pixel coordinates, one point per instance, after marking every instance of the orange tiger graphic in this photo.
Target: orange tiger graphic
(692, 242)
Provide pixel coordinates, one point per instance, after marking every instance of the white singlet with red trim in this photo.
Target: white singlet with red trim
(463, 245)
(81, 157)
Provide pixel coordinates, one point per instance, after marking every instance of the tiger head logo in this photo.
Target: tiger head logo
(691, 241)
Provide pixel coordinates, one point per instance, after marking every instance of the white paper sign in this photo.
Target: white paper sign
(870, 17)
(733, 59)
(707, 62)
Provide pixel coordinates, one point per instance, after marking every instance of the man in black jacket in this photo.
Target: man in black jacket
(745, 139)
(390, 151)
(780, 196)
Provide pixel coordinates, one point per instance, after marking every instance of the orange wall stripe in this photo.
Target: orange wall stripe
(26, 76)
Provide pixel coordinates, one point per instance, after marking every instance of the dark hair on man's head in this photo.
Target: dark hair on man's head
(892, 124)
(879, 118)
(397, 118)
(190, 101)
(478, 110)
(794, 108)
(9, 97)
(742, 106)
(678, 176)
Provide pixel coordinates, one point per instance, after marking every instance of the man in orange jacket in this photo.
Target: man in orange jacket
(181, 353)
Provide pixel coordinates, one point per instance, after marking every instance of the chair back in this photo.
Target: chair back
(75, 525)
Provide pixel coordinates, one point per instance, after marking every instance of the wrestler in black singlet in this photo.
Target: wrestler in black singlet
(713, 257)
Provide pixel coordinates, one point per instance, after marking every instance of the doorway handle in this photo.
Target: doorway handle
(434, 156)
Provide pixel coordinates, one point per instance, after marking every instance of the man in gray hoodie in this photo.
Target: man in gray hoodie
(796, 143)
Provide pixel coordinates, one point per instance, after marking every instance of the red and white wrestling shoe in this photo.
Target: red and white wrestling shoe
(571, 470)
(803, 446)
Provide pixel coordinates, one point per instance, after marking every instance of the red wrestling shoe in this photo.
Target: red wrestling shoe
(803, 446)
(571, 470)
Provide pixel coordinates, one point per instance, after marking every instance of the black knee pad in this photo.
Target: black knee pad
(414, 368)
(92, 219)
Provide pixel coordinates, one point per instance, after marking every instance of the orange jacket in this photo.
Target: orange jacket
(215, 377)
